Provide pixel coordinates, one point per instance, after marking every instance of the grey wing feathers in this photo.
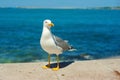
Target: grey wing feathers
(61, 43)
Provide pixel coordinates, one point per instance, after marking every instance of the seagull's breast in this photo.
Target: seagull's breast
(48, 44)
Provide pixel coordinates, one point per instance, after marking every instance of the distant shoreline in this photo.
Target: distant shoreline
(92, 8)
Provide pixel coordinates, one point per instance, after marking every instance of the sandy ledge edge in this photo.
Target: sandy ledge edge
(106, 69)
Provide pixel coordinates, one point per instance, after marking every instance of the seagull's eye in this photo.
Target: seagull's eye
(46, 22)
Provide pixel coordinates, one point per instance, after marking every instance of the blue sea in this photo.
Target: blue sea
(94, 33)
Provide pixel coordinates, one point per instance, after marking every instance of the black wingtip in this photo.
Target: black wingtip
(71, 48)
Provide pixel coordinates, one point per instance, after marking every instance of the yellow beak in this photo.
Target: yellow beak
(51, 24)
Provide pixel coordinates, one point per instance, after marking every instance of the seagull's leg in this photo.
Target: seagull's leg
(58, 66)
(47, 66)
(48, 60)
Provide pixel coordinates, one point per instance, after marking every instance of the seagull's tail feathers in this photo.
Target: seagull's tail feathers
(72, 49)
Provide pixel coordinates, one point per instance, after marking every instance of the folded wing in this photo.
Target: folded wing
(62, 43)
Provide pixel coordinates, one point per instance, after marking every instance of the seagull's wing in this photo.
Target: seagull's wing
(62, 43)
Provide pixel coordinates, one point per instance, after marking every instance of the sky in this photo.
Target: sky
(59, 3)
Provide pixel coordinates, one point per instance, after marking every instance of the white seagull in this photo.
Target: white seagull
(52, 44)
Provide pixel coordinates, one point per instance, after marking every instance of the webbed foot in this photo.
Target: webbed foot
(55, 69)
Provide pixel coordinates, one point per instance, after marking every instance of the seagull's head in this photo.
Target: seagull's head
(47, 23)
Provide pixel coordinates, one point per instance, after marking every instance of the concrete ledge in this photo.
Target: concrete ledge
(108, 69)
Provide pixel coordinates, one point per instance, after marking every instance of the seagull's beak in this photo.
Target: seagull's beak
(51, 24)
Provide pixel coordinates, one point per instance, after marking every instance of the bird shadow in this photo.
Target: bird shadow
(61, 64)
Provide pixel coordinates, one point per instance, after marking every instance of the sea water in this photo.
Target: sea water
(94, 33)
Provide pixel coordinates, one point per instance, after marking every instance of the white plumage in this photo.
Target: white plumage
(51, 43)
(47, 42)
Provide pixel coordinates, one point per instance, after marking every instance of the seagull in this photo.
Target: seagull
(52, 44)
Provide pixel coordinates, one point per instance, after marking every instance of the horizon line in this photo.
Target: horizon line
(30, 7)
